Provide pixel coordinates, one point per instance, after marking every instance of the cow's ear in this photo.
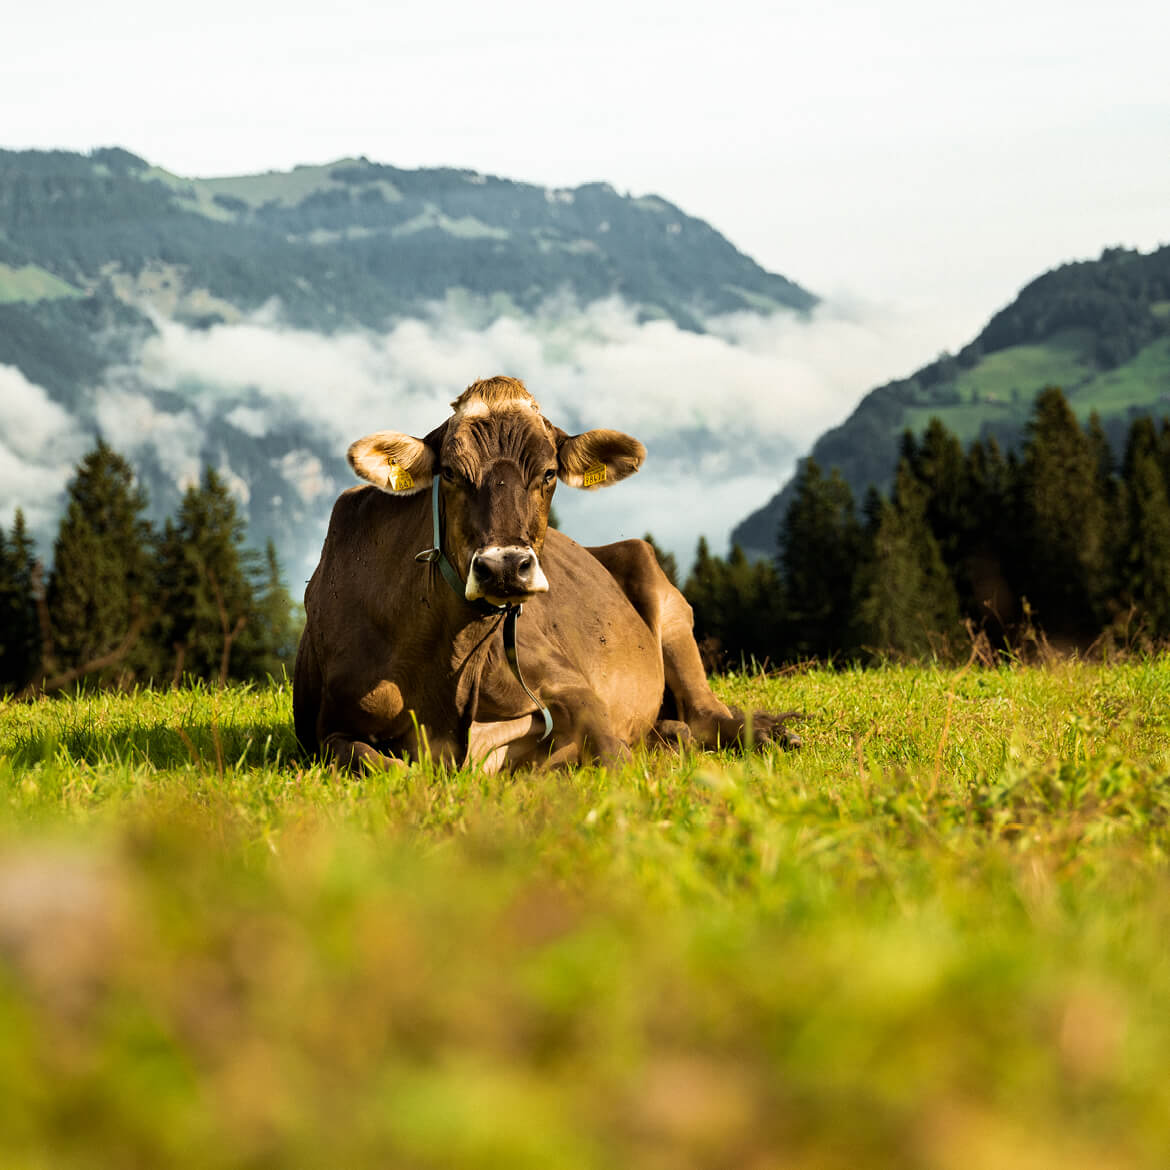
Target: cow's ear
(398, 464)
(597, 458)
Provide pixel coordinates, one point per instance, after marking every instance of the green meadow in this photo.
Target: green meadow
(938, 935)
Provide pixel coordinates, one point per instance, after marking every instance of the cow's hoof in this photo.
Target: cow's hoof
(774, 729)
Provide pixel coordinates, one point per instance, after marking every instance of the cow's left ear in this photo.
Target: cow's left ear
(597, 458)
(398, 464)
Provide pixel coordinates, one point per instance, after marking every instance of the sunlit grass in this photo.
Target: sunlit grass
(938, 935)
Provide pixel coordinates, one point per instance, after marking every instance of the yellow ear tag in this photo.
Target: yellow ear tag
(400, 478)
(593, 475)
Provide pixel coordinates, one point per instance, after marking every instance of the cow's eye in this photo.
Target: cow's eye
(550, 475)
(448, 474)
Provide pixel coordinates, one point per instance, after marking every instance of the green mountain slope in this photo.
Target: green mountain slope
(1098, 329)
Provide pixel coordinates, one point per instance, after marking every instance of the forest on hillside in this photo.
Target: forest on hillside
(1077, 326)
(1056, 546)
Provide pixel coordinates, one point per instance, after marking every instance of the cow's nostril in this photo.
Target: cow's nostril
(481, 568)
(524, 565)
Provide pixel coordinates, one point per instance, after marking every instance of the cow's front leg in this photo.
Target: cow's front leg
(583, 732)
(712, 722)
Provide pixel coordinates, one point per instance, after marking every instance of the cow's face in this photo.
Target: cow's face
(498, 460)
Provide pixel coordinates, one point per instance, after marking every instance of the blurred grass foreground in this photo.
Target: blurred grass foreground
(938, 936)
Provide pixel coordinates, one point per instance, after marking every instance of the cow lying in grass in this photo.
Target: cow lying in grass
(413, 641)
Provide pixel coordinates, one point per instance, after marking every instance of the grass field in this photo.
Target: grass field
(937, 936)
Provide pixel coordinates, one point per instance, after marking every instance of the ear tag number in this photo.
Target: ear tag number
(400, 478)
(594, 475)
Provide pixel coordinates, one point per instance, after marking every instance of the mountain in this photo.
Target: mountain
(1098, 329)
(122, 286)
(354, 242)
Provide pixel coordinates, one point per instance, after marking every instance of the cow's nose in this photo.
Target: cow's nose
(501, 573)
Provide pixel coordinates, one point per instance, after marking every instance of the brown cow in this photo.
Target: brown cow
(406, 646)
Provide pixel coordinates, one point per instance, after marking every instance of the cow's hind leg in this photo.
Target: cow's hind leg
(712, 722)
(666, 611)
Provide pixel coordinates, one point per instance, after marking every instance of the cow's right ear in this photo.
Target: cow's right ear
(395, 463)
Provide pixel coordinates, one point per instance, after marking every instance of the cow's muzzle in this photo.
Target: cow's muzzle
(505, 575)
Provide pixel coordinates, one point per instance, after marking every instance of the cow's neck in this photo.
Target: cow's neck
(435, 554)
(474, 624)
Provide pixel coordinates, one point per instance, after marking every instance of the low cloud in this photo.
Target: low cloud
(134, 425)
(39, 445)
(723, 414)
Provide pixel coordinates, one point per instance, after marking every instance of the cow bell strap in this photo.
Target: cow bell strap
(514, 662)
(435, 554)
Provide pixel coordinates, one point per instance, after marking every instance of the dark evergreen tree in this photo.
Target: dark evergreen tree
(986, 579)
(1143, 569)
(207, 595)
(738, 607)
(20, 635)
(938, 464)
(1164, 451)
(1115, 504)
(820, 543)
(756, 623)
(268, 645)
(704, 590)
(100, 590)
(906, 599)
(1064, 517)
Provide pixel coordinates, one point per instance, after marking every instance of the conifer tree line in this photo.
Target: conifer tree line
(126, 604)
(1060, 544)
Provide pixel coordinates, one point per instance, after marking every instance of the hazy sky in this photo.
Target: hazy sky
(932, 155)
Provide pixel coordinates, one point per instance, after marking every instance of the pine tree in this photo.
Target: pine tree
(100, 589)
(906, 599)
(755, 624)
(820, 543)
(985, 580)
(20, 636)
(937, 463)
(1063, 508)
(738, 607)
(268, 645)
(1144, 564)
(207, 597)
(704, 591)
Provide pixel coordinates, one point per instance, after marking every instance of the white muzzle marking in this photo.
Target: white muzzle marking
(503, 573)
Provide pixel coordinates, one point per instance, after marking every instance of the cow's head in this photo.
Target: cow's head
(499, 459)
